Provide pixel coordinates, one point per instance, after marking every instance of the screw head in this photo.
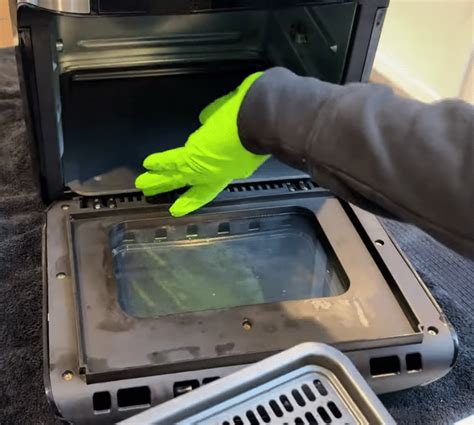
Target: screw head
(432, 331)
(61, 275)
(68, 375)
(247, 325)
(65, 207)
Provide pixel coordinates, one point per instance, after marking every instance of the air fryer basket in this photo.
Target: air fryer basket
(307, 384)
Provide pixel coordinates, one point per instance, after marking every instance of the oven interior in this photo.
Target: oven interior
(133, 86)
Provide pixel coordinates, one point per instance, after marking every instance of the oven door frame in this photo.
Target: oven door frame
(353, 320)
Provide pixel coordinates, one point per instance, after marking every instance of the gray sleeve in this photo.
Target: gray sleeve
(381, 152)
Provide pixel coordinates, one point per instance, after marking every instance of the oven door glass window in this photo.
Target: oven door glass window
(180, 268)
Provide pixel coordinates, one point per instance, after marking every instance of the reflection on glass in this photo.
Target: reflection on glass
(162, 270)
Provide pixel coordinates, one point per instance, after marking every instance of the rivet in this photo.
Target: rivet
(65, 207)
(247, 324)
(61, 275)
(59, 46)
(68, 375)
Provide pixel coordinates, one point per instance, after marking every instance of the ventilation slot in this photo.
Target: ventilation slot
(224, 228)
(161, 234)
(84, 203)
(301, 185)
(251, 417)
(308, 393)
(136, 197)
(129, 237)
(297, 396)
(385, 366)
(414, 362)
(254, 226)
(290, 185)
(310, 418)
(286, 403)
(334, 410)
(192, 231)
(311, 400)
(101, 402)
(209, 380)
(320, 387)
(324, 415)
(99, 203)
(184, 387)
(263, 414)
(129, 398)
(276, 408)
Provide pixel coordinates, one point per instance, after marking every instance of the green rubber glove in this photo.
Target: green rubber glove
(212, 157)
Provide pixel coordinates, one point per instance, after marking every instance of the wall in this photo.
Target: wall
(426, 46)
(6, 38)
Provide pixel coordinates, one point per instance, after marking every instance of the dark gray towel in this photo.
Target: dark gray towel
(22, 399)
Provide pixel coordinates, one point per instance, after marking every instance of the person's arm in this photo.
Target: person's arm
(384, 153)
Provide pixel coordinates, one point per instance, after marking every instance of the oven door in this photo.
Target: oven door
(228, 285)
(140, 307)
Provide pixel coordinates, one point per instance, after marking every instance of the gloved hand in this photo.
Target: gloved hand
(212, 157)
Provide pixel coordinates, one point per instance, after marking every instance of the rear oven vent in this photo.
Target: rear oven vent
(252, 187)
(104, 202)
(235, 189)
(298, 185)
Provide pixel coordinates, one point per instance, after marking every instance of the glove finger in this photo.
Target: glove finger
(196, 197)
(210, 109)
(152, 183)
(169, 160)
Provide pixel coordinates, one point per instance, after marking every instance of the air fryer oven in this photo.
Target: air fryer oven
(140, 306)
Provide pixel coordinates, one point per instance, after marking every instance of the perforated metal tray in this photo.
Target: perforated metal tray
(308, 384)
